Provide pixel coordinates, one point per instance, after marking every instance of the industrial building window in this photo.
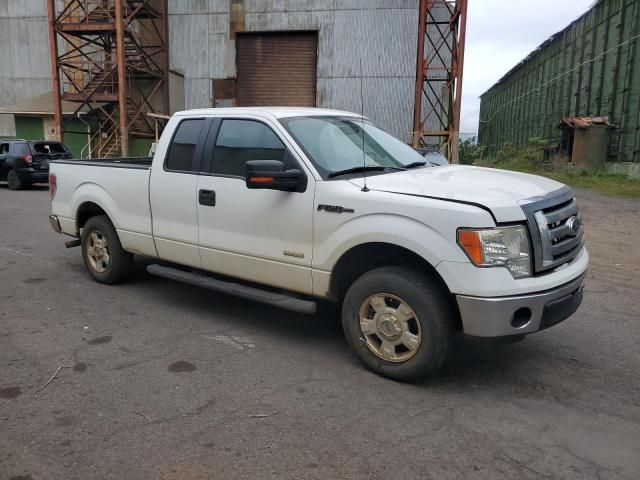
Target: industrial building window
(242, 140)
(183, 147)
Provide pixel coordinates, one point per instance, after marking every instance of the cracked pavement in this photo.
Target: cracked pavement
(161, 380)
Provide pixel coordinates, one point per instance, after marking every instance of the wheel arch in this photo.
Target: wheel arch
(365, 257)
(87, 210)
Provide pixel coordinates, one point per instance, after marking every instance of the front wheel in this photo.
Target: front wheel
(103, 255)
(398, 322)
(13, 181)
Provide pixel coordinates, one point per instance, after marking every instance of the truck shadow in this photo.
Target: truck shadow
(322, 327)
(473, 361)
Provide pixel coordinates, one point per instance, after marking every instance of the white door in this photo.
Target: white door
(261, 235)
(173, 194)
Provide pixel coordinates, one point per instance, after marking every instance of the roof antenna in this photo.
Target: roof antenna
(364, 155)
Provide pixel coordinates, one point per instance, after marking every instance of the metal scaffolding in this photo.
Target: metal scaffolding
(439, 68)
(110, 56)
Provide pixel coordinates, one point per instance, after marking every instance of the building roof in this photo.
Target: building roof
(585, 122)
(41, 105)
(540, 47)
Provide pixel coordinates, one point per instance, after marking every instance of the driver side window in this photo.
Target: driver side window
(240, 141)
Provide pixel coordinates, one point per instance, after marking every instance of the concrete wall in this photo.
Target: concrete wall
(383, 33)
(25, 69)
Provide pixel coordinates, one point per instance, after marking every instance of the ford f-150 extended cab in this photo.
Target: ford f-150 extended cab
(289, 205)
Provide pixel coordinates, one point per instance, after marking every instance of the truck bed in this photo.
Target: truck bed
(120, 186)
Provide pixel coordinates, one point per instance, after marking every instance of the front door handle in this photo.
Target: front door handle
(207, 197)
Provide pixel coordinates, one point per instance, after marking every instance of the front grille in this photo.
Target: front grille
(556, 229)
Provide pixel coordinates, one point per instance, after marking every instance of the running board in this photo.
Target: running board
(280, 300)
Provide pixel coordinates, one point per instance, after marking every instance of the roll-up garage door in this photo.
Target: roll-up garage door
(277, 69)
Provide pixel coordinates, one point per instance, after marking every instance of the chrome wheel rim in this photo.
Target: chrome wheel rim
(98, 251)
(390, 327)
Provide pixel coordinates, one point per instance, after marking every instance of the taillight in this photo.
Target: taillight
(53, 184)
(26, 158)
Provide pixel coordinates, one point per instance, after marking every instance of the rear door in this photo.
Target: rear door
(260, 235)
(172, 193)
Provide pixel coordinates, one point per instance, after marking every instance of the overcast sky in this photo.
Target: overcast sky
(500, 33)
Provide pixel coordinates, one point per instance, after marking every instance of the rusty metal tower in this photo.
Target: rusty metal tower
(110, 57)
(439, 68)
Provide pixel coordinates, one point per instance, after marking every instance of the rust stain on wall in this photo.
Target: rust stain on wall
(237, 18)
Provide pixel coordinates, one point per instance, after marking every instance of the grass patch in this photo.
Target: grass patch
(613, 184)
(528, 160)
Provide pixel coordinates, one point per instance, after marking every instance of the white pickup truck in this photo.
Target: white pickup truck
(287, 206)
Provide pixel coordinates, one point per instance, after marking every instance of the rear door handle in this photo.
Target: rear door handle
(207, 197)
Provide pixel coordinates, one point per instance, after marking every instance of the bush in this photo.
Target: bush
(469, 152)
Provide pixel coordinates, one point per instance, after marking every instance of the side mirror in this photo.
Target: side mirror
(273, 175)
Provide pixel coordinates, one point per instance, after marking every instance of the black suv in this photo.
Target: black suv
(23, 162)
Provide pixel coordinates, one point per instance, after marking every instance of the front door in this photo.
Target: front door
(261, 235)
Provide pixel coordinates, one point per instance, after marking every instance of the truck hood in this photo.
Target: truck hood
(500, 191)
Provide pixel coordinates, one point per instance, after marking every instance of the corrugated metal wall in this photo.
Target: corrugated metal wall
(383, 33)
(24, 53)
(24, 49)
(560, 80)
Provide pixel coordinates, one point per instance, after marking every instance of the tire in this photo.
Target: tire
(13, 181)
(102, 252)
(425, 330)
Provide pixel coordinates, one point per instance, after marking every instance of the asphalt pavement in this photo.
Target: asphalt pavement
(160, 380)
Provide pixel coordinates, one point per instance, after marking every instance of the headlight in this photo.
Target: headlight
(498, 247)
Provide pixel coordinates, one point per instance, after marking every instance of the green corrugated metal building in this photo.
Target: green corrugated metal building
(589, 69)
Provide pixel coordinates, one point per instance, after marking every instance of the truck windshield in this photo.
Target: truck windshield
(335, 144)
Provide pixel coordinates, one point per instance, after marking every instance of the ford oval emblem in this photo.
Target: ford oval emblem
(574, 223)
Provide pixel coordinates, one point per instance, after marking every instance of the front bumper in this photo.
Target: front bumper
(520, 314)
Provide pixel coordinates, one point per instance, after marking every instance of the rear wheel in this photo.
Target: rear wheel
(13, 181)
(103, 255)
(398, 322)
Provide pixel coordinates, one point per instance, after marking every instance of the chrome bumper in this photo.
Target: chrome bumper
(521, 314)
(55, 224)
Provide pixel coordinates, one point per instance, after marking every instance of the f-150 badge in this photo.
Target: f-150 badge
(334, 209)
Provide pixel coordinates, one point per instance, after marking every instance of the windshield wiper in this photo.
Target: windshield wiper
(415, 164)
(361, 168)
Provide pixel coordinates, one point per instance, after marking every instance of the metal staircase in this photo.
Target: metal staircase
(118, 87)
